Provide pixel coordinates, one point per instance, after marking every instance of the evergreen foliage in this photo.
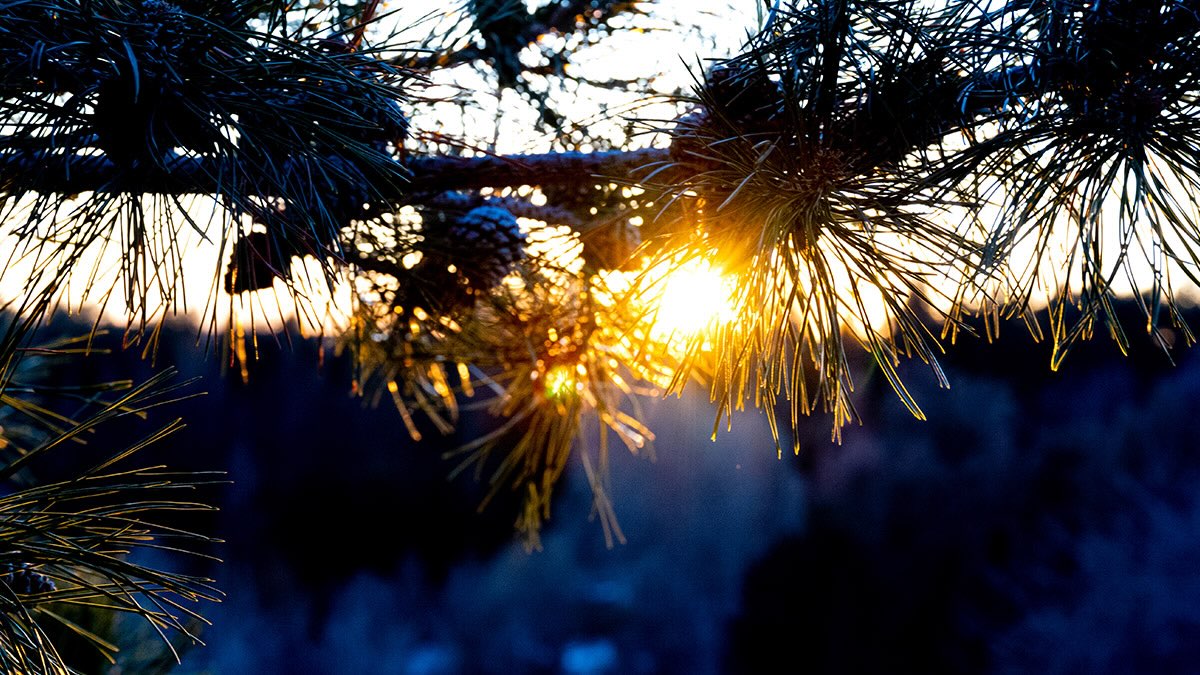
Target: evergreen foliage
(882, 173)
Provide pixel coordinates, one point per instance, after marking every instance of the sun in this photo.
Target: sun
(694, 296)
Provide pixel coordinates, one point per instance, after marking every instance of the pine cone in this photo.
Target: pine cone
(145, 107)
(483, 245)
(735, 101)
(293, 231)
(745, 96)
(344, 105)
(256, 262)
(165, 25)
(461, 257)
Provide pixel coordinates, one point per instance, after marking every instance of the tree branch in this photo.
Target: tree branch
(46, 171)
(457, 173)
(54, 172)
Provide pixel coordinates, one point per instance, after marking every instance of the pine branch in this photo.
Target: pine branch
(45, 171)
(458, 173)
(50, 172)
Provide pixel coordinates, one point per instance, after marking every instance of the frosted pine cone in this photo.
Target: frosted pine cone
(165, 25)
(461, 257)
(147, 105)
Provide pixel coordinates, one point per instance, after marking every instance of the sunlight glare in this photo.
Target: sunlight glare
(560, 382)
(694, 296)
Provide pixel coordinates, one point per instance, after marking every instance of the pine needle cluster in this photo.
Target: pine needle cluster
(802, 158)
(293, 129)
(866, 174)
(70, 543)
(542, 349)
(1095, 154)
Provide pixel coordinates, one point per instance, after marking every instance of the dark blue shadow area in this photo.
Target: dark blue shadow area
(1038, 522)
(348, 550)
(695, 519)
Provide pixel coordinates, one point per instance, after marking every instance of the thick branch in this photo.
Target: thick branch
(456, 173)
(49, 172)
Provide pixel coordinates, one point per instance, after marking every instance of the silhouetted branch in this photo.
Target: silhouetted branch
(55, 172)
(52, 172)
(454, 173)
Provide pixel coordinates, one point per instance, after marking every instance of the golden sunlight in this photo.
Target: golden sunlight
(561, 382)
(693, 296)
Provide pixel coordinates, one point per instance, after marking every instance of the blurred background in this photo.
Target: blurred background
(1038, 522)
